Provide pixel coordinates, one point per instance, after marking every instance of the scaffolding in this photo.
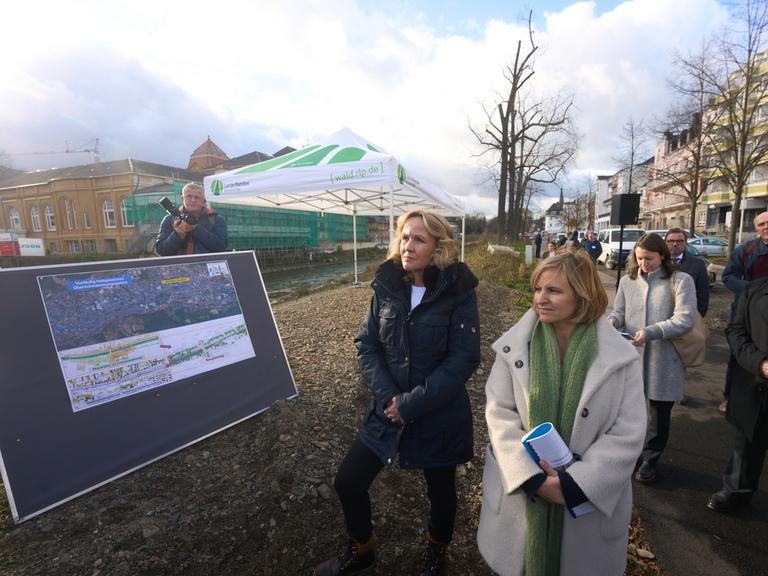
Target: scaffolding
(272, 230)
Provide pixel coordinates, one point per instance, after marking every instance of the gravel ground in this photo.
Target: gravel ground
(257, 499)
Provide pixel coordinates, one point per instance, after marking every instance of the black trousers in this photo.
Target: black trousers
(357, 471)
(657, 434)
(742, 473)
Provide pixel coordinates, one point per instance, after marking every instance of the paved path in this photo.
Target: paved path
(688, 538)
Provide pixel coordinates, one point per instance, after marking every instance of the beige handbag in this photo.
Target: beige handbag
(691, 346)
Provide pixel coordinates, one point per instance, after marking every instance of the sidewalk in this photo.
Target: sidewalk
(688, 538)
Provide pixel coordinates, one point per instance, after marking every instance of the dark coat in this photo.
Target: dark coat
(748, 336)
(593, 247)
(209, 236)
(697, 269)
(423, 358)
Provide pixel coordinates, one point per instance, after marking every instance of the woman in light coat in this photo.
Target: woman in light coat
(526, 523)
(651, 312)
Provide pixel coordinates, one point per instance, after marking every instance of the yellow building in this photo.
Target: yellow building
(83, 209)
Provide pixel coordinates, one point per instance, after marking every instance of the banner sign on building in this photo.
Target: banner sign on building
(116, 364)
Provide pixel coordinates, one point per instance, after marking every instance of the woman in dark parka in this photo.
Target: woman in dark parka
(417, 347)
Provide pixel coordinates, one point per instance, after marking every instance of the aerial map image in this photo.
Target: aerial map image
(119, 332)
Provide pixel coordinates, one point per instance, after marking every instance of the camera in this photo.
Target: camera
(171, 208)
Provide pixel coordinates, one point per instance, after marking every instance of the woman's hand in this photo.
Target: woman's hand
(392, 413)
(639, 338)
(551, 490)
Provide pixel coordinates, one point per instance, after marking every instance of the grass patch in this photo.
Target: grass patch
(503, 269)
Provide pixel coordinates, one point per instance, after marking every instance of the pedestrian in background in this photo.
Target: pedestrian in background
(748, 400)
(537, 244)
(561, 363)
(417, 348)
(695, 267)
(592, 246)
(747, 263)
(651, 313)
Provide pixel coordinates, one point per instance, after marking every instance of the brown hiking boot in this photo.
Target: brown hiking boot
(357, 559)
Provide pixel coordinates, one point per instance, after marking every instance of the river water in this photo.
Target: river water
(281, 283)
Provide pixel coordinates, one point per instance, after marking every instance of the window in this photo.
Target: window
(126, 216)
(111, 245)
(52, 247)
(89, 246)
(109, 214)
(69, 211)
(73, 246)
(50, 219)
(86, 219)
(14, 219)
(703, 217)
(35, 215)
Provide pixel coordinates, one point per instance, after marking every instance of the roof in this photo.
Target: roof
(284, 150)
(209, 149)
(100, 169)
(245, 160)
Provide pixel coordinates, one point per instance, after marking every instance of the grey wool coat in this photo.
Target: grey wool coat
(607, 436)
(648, 304)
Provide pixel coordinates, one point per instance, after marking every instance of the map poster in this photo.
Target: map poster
(120, 332)
(109, 366)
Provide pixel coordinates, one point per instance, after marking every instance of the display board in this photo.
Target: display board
(109, 366)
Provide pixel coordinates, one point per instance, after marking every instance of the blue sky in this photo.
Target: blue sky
(153, 80)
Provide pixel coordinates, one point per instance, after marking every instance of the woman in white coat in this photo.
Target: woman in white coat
(649, 310)
(562, 363)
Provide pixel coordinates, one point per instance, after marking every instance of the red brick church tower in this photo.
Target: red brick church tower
(206, 156)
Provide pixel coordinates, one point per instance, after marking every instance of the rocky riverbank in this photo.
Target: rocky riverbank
(257, 499)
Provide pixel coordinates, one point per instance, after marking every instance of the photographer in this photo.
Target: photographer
(195, 229)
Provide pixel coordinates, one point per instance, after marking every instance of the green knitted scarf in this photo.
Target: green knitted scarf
(555, 390)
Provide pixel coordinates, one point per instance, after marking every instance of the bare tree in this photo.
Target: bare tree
(576, 210)
(681, 166)
(632, 148)
(737, 136)
(499, 134)
(534, 141)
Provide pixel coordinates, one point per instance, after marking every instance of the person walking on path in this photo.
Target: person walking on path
(417, 347)
(592, 246)
(748, 262)
(676, 239)
(748, 400)
(537, 243)
(561, 363)
(650, 312)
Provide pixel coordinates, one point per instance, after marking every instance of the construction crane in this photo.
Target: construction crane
(90, 147)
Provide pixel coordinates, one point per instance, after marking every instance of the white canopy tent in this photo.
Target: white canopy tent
(346, 174)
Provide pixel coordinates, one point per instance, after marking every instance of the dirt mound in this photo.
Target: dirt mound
(257, 499)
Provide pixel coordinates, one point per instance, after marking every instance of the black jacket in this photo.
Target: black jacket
(697, 268)
(748, 336)
(423, 357)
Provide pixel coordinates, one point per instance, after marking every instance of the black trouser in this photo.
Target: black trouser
(742, 473)
(355, 475)
(660, 416)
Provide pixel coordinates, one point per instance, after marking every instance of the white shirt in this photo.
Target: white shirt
(417, 293)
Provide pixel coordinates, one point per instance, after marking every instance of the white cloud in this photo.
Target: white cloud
(259, 75)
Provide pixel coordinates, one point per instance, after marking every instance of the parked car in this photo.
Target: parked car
(609, 240)
(710, 245)
(711, 267)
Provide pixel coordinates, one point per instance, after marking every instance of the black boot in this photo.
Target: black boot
(434, 557)
(357, 559)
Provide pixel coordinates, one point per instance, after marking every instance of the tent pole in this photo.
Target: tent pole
(391, 215)
(354, 239)
(463, 234)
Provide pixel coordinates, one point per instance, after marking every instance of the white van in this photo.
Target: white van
(609, 240)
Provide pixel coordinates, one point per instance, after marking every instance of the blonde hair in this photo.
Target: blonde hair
(445, 253)
(578, 269)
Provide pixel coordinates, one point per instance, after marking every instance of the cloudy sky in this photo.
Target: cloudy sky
(151, 80)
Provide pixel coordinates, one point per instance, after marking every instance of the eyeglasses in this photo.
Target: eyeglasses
(675, 241)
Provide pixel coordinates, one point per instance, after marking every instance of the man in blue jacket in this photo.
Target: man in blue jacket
(179, 236)
(592, 246)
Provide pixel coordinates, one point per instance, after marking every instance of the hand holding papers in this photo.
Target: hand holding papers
(545, 443)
